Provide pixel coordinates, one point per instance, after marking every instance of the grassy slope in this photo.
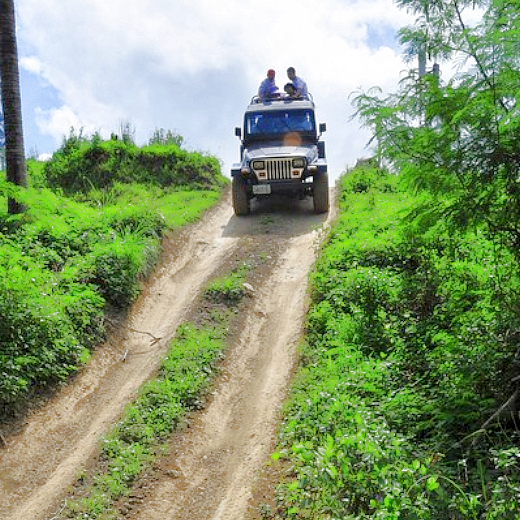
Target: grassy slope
(407, 354)
(69, 256)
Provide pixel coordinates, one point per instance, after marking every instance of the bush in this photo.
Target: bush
(44, 331)
(118, 268)
(82, 165)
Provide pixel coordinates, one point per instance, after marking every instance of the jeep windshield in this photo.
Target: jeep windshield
(276, 124)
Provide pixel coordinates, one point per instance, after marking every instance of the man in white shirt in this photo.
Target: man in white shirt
(299, 84)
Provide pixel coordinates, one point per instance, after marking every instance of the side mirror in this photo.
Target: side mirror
(323, 127)
(321, 149)
(238, 131)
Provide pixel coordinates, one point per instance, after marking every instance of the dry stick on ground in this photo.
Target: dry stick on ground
(155, 341)
(155, 338)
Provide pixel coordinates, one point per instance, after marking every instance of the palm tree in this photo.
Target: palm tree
(2, 138)
(11, 102)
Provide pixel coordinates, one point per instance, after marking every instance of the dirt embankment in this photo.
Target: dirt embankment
(211, 471)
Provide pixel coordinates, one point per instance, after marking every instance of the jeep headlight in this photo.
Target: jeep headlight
(258, 165)
(298, 163)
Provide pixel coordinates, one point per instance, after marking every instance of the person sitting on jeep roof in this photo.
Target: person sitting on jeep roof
(299, 84)
(291, 91)
(268, 88)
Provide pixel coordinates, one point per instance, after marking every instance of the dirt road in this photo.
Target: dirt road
(211, 470)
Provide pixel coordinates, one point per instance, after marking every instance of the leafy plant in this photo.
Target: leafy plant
(457, 140)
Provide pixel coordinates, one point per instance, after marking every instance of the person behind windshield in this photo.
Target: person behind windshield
(300, 122)
(298, 83)
(268, 88)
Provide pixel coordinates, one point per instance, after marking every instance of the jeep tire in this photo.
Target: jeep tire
(240, 196)
(321, 192)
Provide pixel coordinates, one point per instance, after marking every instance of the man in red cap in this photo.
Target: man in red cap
(268, 88)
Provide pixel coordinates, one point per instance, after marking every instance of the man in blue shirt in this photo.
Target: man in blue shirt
(299, 84)
(268, 88)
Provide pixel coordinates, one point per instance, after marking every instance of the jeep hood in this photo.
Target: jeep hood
(270, 151)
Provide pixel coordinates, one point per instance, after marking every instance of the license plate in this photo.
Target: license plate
(262, 189)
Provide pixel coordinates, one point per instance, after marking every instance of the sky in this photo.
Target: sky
(192, 66)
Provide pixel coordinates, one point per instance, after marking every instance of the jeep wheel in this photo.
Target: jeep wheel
(321, 192)
(240, 196)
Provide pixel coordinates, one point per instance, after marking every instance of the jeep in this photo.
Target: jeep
(280, 153)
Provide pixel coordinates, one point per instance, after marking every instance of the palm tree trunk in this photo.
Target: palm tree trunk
(14, 148)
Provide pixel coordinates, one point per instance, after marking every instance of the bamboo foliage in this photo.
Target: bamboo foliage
(458, 138)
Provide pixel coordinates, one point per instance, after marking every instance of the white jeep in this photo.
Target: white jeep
(281, 152)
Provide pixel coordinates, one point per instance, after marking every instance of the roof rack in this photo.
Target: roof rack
(285, 98)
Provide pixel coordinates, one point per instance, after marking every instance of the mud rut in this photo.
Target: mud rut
(213, 465)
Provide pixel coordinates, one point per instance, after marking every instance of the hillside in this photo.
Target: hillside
(405, 405)
(96, 215)
(407, 358)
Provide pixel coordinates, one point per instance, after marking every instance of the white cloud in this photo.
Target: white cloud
(31, 64)
(193, 65)
(57, 122)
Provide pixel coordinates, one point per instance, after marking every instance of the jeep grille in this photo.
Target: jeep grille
(278, 169)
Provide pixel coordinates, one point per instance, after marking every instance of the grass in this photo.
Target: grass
(406, 355)
(69, 258)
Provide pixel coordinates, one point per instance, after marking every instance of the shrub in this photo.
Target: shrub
(44, 332)
(81, 165)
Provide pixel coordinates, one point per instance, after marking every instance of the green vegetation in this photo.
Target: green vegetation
(86, 163)
(180, 386)
(407, 403)
(91, 233)
(458, 139)
(406, 406)
(411, 346)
